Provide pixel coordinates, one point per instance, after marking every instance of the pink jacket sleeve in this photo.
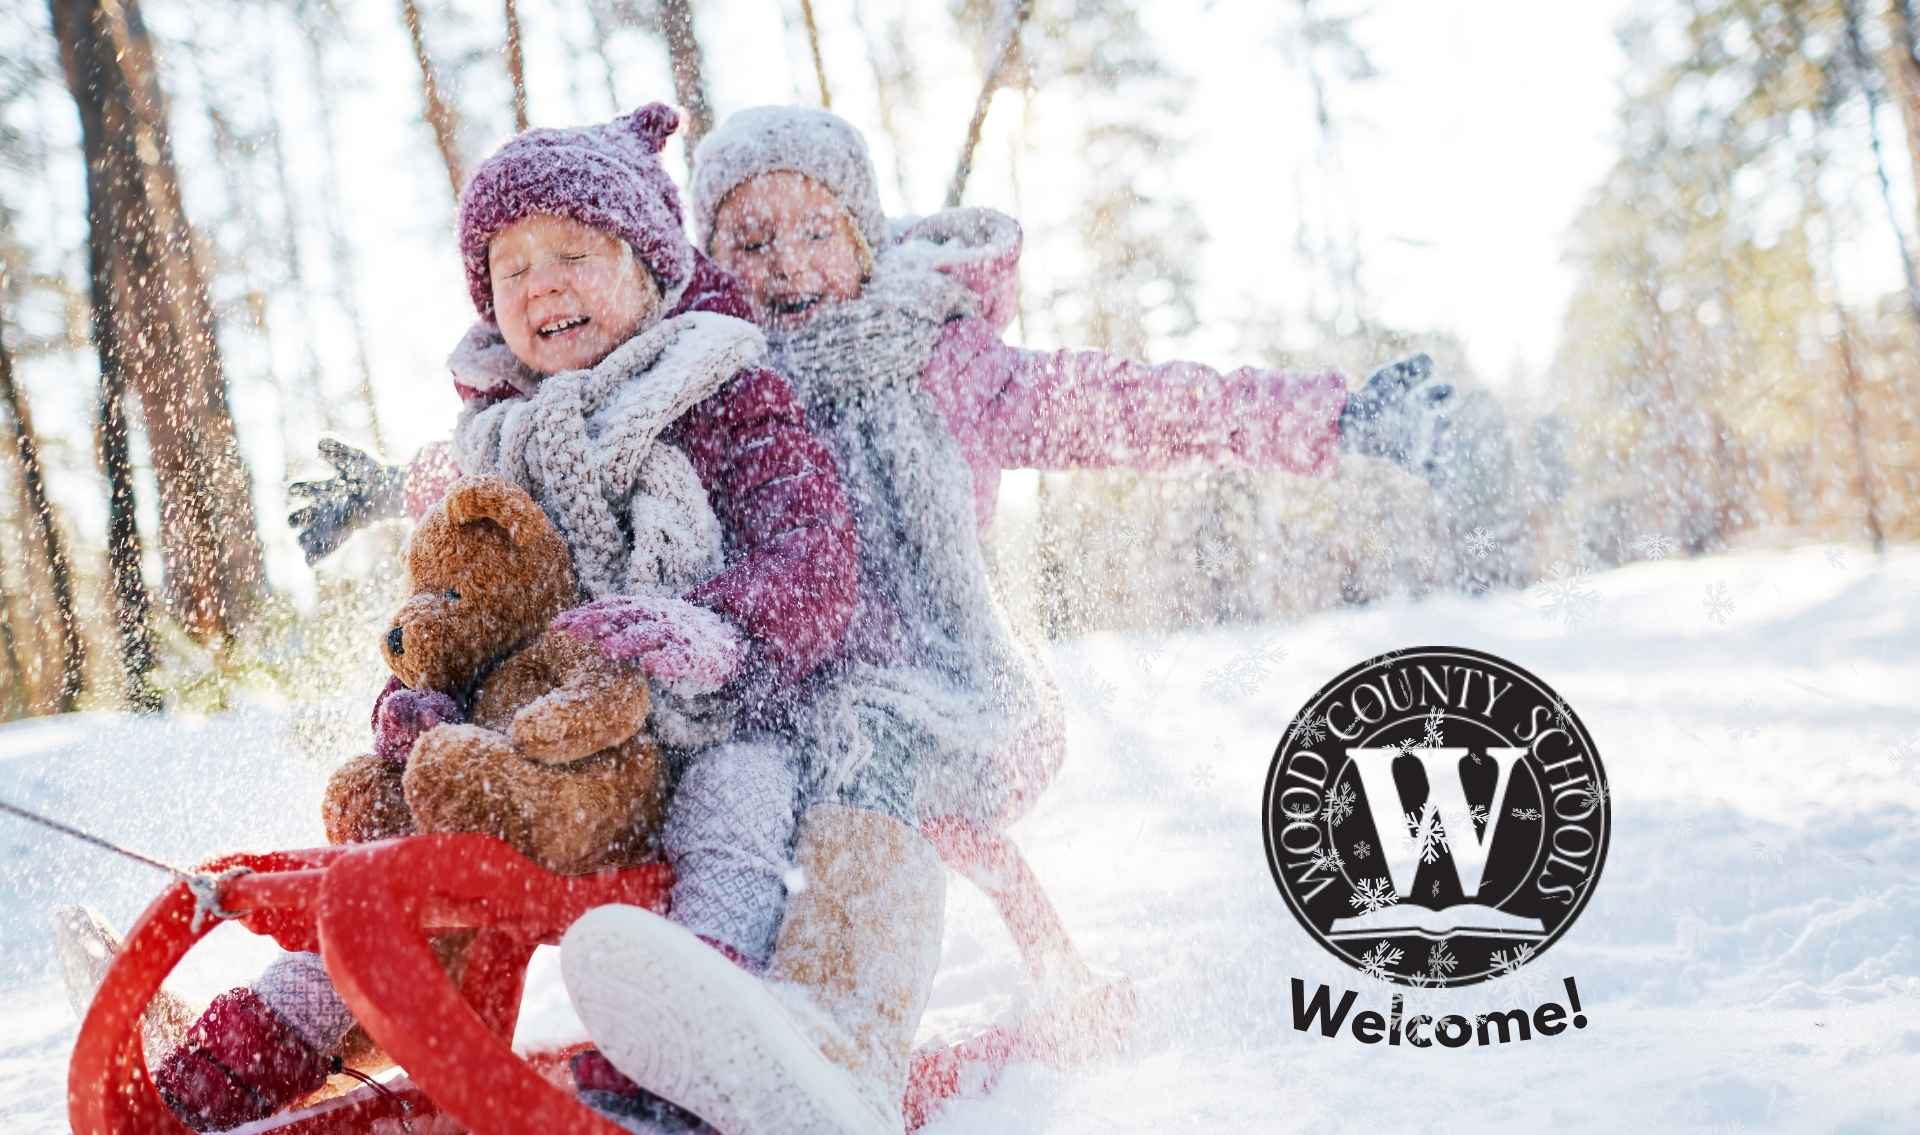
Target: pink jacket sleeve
(1084, 409)
(429, 475)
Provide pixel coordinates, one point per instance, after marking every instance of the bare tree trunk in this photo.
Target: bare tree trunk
(1850, 390)
(1009, 45)
(689, 69)
(312, 374)
(19, 696)
(1850, 383)
(889, 83)
(153, 322)
(131, 606)
(607, 68)
(340, 249)
(819, 61)
(253, 267)
(1904, 63)
(39, 514)
(516, 66)
(1870, 78)
(440, 116)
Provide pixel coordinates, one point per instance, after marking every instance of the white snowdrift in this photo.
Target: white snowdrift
(1750, 961)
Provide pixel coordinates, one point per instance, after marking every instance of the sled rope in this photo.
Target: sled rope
(204, 887)
(338, 1067)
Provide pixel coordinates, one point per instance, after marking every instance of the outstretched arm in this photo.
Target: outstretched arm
(1072, 409)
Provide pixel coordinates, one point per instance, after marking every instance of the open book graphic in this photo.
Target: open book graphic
(1409, 917)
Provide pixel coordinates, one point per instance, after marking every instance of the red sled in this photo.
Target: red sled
(370, 910)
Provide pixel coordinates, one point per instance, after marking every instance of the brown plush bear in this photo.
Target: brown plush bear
(553, 759)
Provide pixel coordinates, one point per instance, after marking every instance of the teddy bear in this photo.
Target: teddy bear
(552, 756)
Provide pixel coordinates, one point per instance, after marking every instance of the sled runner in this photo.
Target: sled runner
(369, 909)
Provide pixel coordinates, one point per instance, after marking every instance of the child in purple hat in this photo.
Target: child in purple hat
(612, 376)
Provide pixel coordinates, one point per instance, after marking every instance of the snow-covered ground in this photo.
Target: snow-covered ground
(1750, 960)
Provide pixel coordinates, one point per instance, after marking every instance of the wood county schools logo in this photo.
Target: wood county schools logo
(1436, 816)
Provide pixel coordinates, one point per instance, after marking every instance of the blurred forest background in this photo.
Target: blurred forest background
(198, 280)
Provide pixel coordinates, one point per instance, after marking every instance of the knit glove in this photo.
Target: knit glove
(1396, 417)
(365, 491)
(685, 648)
(401, 715)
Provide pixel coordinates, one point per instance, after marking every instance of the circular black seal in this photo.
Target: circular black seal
(1436, 816)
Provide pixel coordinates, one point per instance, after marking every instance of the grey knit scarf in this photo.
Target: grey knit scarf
(966, 684)
(587, 446)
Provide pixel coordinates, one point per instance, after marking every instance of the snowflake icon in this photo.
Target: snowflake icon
(1479, 543)
(1385, 659)
(1434, 737)
(1243, 676)
(1362, 849)
(1655, 547)
(1566, 596)
(1718, 603)
(1904, 756)
(1309, 730)
(1372, 894)
(1440, 960)
(1510, 963)
(1214, 557)
(1339, 804)
(1426, 835)
(1379, 961)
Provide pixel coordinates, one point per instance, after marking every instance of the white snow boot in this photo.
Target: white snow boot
(86, 946)
(820, 1047)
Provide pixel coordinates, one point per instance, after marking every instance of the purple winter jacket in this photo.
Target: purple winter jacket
(791, 569)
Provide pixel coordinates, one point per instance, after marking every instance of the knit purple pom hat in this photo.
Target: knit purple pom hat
(607, 175)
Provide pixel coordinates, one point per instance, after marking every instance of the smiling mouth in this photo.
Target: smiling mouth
(562, 326)
(793, 305)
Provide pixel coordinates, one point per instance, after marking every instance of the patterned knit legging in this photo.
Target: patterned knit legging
(729, 837)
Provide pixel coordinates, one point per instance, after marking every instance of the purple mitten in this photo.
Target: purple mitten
(685, 647)
(400, 715)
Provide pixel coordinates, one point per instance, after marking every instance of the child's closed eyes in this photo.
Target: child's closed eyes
(514, 271)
